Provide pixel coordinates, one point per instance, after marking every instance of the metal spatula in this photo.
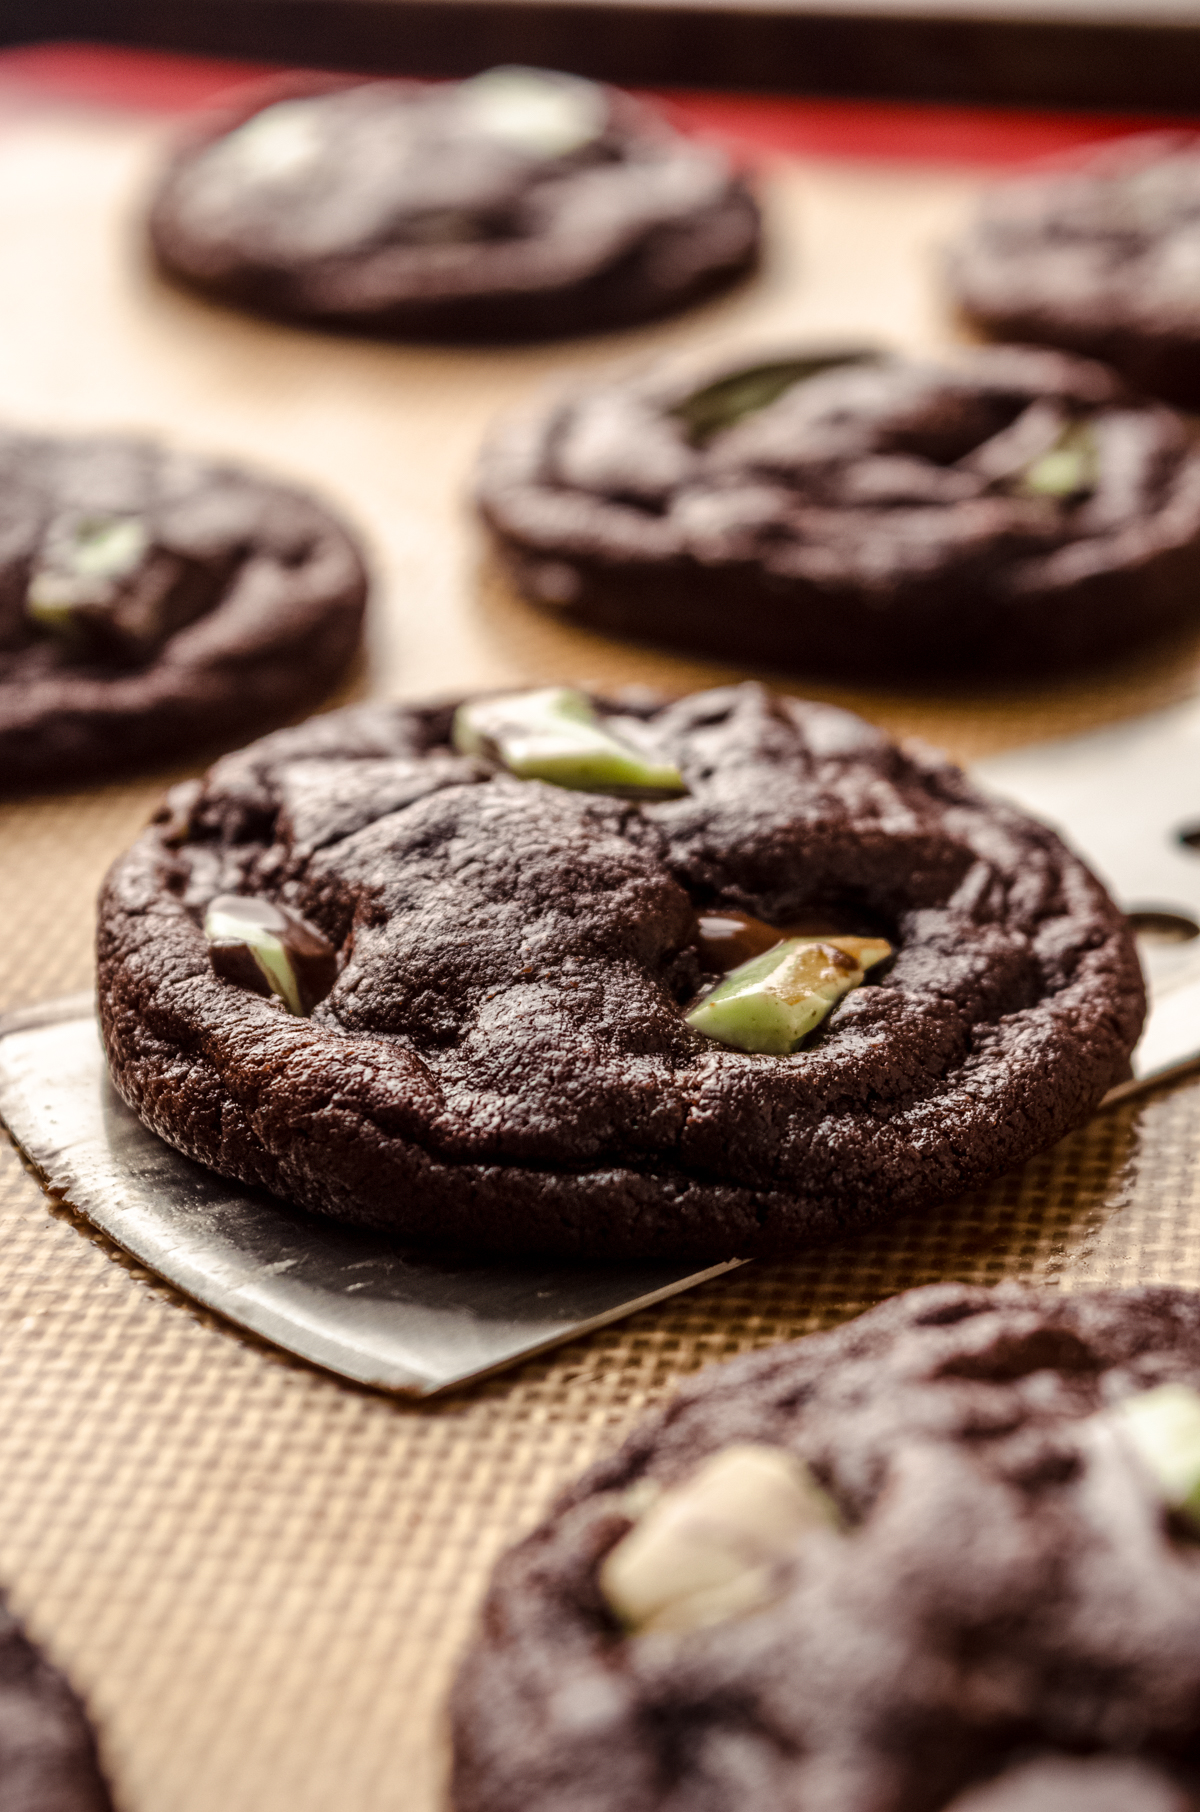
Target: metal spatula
(1127, 798)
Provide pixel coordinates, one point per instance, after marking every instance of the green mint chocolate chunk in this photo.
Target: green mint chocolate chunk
(534, 110)
(555, 735)
(1070, 468)
(1163, 1425)
(106, 587)
(722, 405)
(772, 1002)
(269, 950)
(83, 563)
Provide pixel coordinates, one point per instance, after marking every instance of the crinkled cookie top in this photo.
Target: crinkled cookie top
(352, 197)
(1013, 472)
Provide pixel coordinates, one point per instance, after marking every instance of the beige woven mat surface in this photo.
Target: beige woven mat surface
(259, 1576)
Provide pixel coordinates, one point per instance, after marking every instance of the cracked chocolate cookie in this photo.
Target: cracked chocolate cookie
(551, 974)
(874, 517)
(521, 204)
(943, 1557)
(48, 1760)
(152, 604)
(1102, 259)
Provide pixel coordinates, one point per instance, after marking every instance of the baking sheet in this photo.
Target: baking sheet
(261, 1576)
(1128, 799)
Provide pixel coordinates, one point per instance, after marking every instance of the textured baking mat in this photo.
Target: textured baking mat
(259, 1575)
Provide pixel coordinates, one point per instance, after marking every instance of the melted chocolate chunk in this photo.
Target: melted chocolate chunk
(728, 937)
(269, 950)
(102, 585)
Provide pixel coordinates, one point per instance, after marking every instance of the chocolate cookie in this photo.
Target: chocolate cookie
(152, 605)
(1100, 259)
(529, 1045)
(872, 517)
(48, 1759)
(942, 1557)
(519, 205)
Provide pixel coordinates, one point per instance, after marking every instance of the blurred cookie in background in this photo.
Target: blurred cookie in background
(521, 204)
(840, 511)
(1101, 258)
(153, 604)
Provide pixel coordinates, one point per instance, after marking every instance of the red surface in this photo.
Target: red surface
(104, 76)
(920, 133)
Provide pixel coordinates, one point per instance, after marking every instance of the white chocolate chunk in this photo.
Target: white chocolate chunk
(534, 110)
(1163, 1427)
(277, 143)
(710, 1548)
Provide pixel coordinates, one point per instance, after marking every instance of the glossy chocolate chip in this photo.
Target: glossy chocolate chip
(728, 937)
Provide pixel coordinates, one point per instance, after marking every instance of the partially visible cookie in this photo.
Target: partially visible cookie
(153, 604)
(1014, 512)
(48, 1760)
(1101, 258)
(946, 1556)
(521, 204)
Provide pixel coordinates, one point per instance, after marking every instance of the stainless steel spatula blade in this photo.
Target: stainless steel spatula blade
(350, 1301)
(1128, 800)
(360, 1306)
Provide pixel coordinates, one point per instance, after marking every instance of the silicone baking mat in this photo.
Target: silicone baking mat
(259, 1576)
